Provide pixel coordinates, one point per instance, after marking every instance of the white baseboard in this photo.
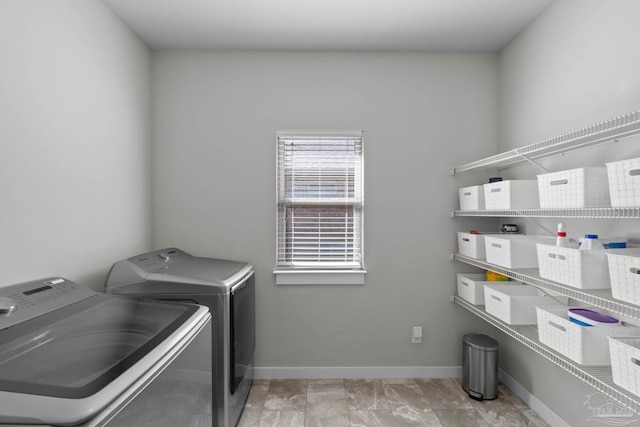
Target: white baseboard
(270, 373)
(532, 402)
(287, 373)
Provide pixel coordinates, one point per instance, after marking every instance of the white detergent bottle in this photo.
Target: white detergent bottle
(591, 242)
(561, 238)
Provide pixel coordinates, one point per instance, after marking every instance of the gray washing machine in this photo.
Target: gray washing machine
(227, 288)
(72, 356)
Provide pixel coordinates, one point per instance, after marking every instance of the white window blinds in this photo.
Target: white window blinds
(320, 200)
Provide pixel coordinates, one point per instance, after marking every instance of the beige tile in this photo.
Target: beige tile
(455, 385)
(370, 418)
(327, 413)
(325, 392)
(500, 412)
(365, 395)
(460, 418)
(381, 418)
(505, 393)
(504, 417)
(282, 419)
(257, 396)
(326, 381)
(533, 418)
(286, 395)
(250, 417)
(407, 402)
(395, 402)
(359, 382)
(444, 393)
(412, 417)
(398, 381)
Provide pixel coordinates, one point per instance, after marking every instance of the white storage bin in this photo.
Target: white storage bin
(624, 182)
(471, 198)
(515, 304)
(513, 251)
(471, 287)
(624, 273)
(472, 244)
(586, 345)
(625, 362)
(514, 194)
(573, 267)
(575, 188)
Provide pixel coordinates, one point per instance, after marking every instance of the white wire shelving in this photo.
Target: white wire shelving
(599, 377)
(591, 213)
(610, 130)
(600, 298)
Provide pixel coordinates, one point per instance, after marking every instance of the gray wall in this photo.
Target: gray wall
(577, 65)
(215, 120)
(74, 140)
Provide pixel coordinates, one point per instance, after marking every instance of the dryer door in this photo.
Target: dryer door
(243, 330)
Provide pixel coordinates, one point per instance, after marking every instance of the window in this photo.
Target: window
(319, 208)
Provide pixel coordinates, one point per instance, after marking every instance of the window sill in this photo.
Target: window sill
(319, 277)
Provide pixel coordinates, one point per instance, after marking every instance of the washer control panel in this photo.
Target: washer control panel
(158, 260)
(7, 305)
(25, 301)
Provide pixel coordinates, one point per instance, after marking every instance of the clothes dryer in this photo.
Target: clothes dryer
(72, 356)
(227, 288)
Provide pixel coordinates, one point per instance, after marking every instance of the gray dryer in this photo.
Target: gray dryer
(227, 288)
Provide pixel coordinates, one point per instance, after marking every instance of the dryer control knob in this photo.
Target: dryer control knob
(7, 305)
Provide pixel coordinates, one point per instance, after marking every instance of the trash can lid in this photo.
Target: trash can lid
(480, 342)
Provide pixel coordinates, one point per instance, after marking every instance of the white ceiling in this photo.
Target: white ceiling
(337, 25)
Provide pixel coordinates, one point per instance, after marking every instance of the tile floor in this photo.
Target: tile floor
(379, 403)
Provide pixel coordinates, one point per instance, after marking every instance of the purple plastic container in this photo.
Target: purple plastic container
(587, 317)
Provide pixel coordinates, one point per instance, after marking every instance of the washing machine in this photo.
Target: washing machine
(70, 356)
(227, 288)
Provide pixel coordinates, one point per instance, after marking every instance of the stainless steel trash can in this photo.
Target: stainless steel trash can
(480, 366)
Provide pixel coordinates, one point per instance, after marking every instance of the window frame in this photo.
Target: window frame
(321, 273)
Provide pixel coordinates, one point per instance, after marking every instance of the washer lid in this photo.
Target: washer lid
(67, 358)
(174, 271)
(206, 271)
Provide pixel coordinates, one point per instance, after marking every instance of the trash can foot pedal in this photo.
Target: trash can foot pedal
(475, 395)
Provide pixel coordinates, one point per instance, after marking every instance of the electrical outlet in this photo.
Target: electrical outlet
(416, 334)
